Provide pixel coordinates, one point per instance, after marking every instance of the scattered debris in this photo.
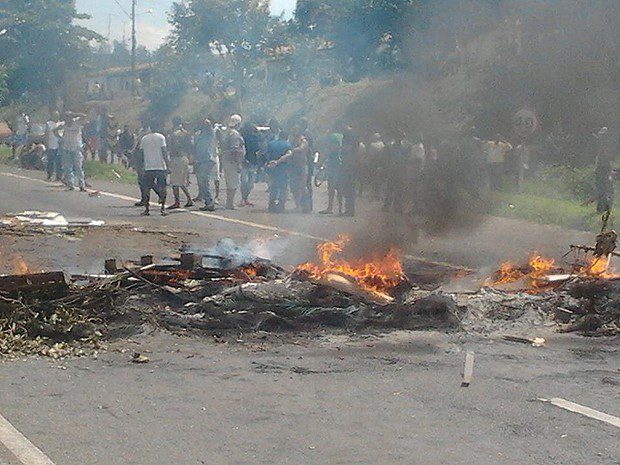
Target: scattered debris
(46, 219)
(536, 341)
(222, 295)
(139, 358)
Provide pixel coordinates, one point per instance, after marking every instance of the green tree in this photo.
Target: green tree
(41, 46)
(367, 33)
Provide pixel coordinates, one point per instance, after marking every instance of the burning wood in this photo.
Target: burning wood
(376, 276)
(542, 273)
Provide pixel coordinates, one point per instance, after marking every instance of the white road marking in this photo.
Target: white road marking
(192, 212)
(250, 224)
(25, 451)
(586, 411)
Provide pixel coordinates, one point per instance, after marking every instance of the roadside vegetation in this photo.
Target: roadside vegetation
(106, 172)
(558, 195)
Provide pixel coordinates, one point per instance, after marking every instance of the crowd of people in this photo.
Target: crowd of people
(229, 157)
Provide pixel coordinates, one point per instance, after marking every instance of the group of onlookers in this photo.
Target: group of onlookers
(240, 153)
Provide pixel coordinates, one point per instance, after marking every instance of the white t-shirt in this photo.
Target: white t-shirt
(152, 145)
(52, 140)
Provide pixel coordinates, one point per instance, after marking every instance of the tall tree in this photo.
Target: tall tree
(41, 46)
(366, 33)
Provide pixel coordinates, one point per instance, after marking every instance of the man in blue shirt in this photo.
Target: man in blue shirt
(278, 153)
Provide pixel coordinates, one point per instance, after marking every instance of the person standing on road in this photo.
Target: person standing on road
(153, 146)
(231, 155)
(205, 162)
(298, 174)
(52, 143)
(126, 145)
(180, 149)
(249, 166)
(278, 153)
(72, 158)
(20, 138)
(332, 163)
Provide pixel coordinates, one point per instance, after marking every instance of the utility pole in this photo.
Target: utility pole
(133, 37)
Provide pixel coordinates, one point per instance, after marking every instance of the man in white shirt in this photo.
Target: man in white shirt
(20, 138)
(72, 158)
(153, 146)
(54, 165)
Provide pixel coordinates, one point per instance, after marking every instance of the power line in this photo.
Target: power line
(122, 8)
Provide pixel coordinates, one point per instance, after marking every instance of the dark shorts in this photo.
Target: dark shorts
(155, 179)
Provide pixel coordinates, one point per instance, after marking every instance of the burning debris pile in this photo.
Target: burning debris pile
(56, 315)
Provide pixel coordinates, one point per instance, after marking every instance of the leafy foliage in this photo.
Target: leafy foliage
(41, 46)
(165, 94)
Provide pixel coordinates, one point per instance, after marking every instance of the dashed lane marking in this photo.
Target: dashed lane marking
(250, 224)
(25, 451)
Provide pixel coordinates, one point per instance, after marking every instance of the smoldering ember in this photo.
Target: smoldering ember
(309, 232)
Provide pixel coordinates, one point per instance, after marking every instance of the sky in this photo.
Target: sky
(151, 21)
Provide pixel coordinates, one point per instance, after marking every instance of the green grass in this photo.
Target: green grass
(558, 195)
(544, 210)
(105, 172)
(5, 156)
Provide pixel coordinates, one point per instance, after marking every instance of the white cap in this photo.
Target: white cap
(234, 121)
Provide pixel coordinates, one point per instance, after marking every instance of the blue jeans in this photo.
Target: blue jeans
(204, 171)
(278, 190)
(54, 165)
(248, 177)
(72, 167)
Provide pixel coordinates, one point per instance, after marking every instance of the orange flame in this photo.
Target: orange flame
(20, 266)
(599, 267)
(537, 267)
(378, 274)
(540, 267)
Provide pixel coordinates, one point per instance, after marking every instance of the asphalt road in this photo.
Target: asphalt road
(329, 400)
(307, 399)
(493, 241)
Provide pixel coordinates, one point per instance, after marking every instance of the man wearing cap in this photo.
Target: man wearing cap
(232, 154)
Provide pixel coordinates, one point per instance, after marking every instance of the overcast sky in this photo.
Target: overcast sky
(151, 27)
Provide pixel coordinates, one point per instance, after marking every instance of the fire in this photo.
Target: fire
(378, 275)
(539, 269)
(600, 267)
(250, 271)
(20, 266)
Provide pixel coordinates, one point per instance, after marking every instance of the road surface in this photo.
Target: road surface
(327, 398)
(494, 241)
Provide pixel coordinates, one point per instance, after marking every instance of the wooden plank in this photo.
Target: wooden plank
(582, 410)
(34, 281)
(468, 372)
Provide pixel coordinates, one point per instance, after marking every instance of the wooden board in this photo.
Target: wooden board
(50, 283)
